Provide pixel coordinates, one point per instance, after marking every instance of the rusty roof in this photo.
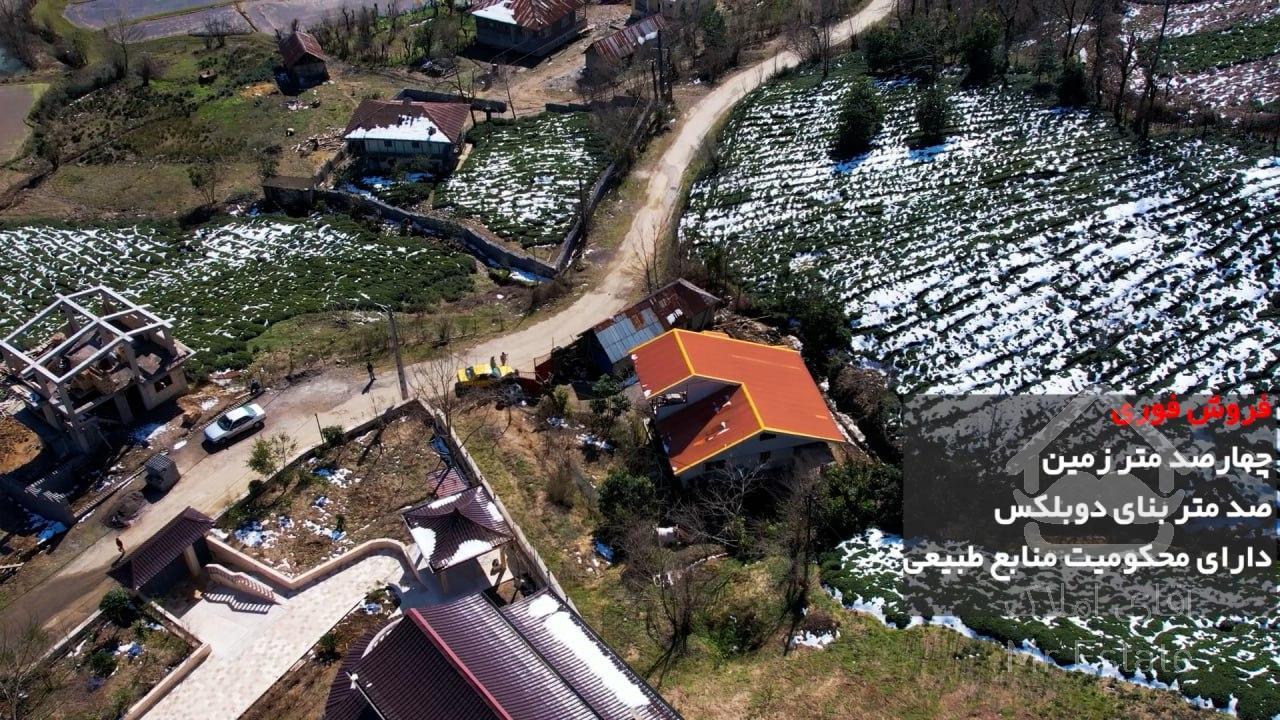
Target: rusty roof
(669, 307)
(450, 118)
(457, 528)
(156, 552)
(623, 43)
(776, 385)
(528, 14)
(531, 660)
(298, 46)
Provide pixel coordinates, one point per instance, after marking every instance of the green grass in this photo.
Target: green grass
(1221, 48)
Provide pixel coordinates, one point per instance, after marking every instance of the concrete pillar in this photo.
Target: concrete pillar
(193, 563)
(122, 407)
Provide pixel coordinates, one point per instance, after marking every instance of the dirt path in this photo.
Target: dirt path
(211, 482)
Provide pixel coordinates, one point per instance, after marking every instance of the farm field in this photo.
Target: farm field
(1229, 662)
(1035, 250)
(523, 178)
(1223, 54)
(15, 103)
(225, 284)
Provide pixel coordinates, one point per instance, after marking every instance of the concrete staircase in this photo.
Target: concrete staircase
(243, 583)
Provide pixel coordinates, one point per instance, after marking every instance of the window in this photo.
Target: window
(764, 457)
(163, 383)
(768, 436)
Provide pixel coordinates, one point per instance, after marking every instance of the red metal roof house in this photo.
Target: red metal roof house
(303, 58)
(526, 27)
(721, 402)
(623, 48)
(423, 135)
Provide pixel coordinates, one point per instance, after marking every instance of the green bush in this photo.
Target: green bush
(859, 119)
(1073, 85)
(861, 495)
(102, 663)
(624, 500)
(327, 646)
(981, 49)
(934, 113)
(882, 46)
(332, 435)
(117, 607)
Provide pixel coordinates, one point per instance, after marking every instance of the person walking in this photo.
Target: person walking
(504, 358)
(120, 547)
(368, 365)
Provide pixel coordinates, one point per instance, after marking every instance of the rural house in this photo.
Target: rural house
(633, 44)
(426, 136)
(303, 58)
(720, 402)
(527, 27)
(93, 358)
(532, 659)
(680, 304)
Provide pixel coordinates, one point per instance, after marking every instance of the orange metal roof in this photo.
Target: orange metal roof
(774, 385)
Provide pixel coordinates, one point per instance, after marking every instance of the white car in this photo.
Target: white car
(235, 423)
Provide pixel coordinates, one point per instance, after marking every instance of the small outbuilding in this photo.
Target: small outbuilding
(303, 59)
(613, 53)
(680, 304)
(427, 136)
(177, 550)
(458, 529)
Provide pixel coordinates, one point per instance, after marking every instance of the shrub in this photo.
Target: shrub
(102, 663)
(624, 500)
(1073, 85)
(332, 435)
(933, 113)
(561, 487)
(882, 46)
(981, 46)
(327, 646)
(860, 118)
(554, 404)
(861, 495)
(117, 606)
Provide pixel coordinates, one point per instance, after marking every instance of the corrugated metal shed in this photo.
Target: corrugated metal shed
(671, 306)
(622, 44)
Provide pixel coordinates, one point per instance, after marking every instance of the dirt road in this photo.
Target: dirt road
(211, 481)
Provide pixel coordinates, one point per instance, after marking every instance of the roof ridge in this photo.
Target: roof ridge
(546, 663)
(422, 623)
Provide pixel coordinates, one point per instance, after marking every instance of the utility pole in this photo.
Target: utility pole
(395, 348)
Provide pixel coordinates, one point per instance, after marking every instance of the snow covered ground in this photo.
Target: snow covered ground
(221, 283)
(1236, 660)
(523, 181)
(1034, 250)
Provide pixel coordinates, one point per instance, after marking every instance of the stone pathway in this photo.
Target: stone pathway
(243, 666)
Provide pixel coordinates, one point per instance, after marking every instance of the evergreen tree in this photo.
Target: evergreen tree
(861, 116)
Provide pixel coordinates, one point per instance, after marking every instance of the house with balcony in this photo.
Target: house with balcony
(390, 134)
(721, 403)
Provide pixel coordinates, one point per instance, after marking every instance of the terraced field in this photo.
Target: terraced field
(523, 179)
(223, 285)
(1219, 662)
(1035, 250)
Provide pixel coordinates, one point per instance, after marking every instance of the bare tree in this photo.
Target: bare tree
(800, 508)
(1125, 54)
(217, 28)
(16, 32)
(717, 510)
(123, 32)
(25, 679)
(1150, 68)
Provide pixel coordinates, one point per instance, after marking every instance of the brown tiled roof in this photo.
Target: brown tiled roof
(450, 118)
(532, 660)
(299, 46)
(622, 44)
(157, 551)
(532, 14)
(460, 527)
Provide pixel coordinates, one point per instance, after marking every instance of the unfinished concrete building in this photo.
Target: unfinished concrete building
(94, 358)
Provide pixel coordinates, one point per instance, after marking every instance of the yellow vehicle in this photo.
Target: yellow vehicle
(484, 375)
